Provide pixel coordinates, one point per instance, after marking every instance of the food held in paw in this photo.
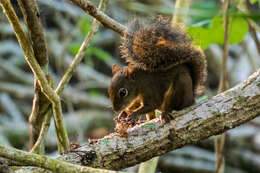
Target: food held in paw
(121, 124)
(121, 117)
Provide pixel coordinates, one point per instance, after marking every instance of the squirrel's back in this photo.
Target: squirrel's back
(159, 46)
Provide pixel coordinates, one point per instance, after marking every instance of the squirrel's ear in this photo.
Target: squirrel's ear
(115, 69)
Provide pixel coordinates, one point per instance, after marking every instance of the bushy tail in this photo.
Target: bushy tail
(158, 46)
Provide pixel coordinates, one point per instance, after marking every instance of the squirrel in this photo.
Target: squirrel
(164, 71)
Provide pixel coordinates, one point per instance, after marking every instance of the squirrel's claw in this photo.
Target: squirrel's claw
(121, 116)
(165, 117)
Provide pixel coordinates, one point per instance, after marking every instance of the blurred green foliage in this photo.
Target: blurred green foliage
(203, 12)
(84, 25)
(94, 92)
(209, 29)
(203, 36)
(254, 1)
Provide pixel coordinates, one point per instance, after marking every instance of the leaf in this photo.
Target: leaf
(203, 10)
(199, 35)
(237, 30)
(203, 37)
(94, 92)
(214, 34)
(253, 1)
(74, 47)
(99, 53)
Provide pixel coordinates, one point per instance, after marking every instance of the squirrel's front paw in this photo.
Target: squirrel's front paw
(121, 117)
(122, 124)
(166, 117)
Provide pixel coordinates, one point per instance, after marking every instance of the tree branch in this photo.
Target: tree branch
(31, 16)
(81, 53)
(68, 74)
(100, 16)
(181, 9)
(26, 158)
(63, 141)
(215, 116)
(220, 140)
(253, 34)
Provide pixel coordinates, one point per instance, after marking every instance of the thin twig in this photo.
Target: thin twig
(43, 132)
(220, 140)
(254, 25)
(68, 74)
(254, 36)
(243, 7)
(223, 78)
(181, 9)
(108, 22)
(32, 19)
(81, 53)
(63, 142)
(37, 116)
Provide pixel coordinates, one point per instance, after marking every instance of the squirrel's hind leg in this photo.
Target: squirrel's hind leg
(178, 96)
(166, 105)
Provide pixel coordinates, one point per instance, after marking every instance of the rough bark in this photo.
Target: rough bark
(27, 158)
(214, 116)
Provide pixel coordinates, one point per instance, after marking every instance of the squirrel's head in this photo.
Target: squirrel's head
(122, 89)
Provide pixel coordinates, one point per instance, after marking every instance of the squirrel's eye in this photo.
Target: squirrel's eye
(123, 92)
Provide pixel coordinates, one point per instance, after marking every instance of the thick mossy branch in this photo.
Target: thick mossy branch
(30, 159)
(215, 116)
(32, 19)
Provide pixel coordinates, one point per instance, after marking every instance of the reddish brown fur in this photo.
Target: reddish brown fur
(165, 70)
(157, 46)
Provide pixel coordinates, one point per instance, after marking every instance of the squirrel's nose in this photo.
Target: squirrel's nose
(116, 106)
